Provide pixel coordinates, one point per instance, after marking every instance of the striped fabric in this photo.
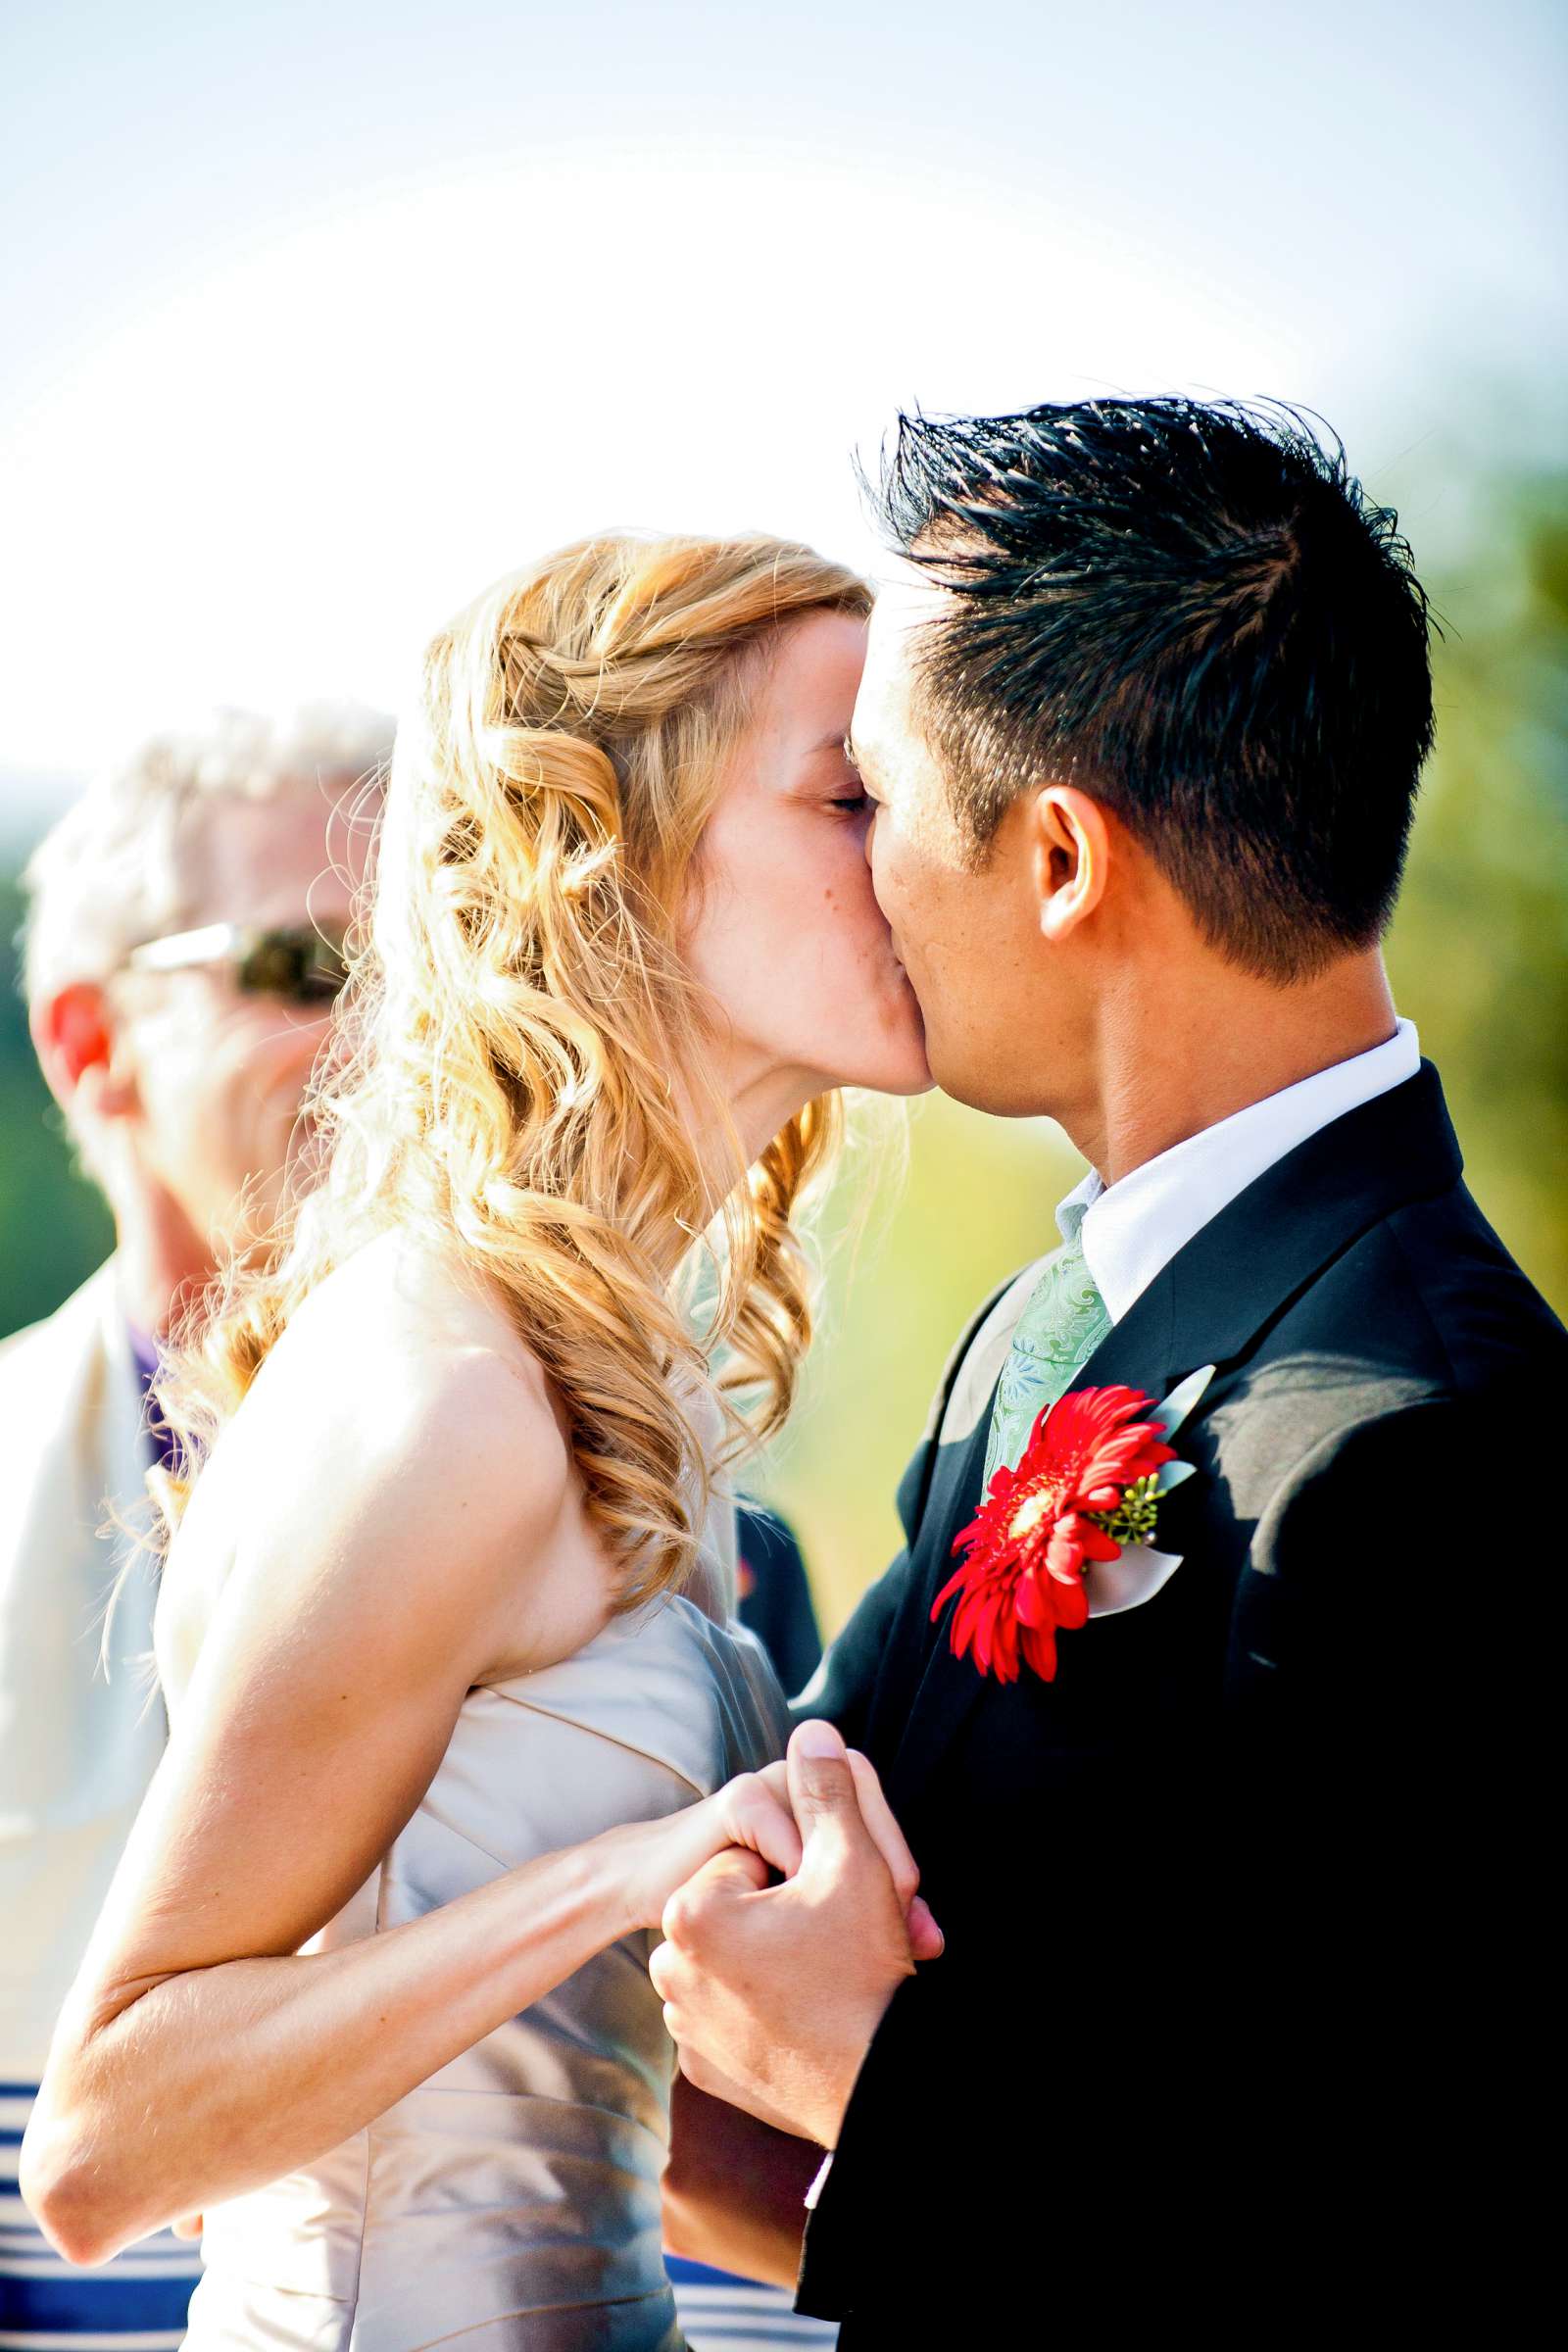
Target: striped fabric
(719, 2313)
(136, 2303)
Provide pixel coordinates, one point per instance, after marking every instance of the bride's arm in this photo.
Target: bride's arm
(198, 2056)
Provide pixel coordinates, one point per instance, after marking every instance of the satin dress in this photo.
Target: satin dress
(510, 2203)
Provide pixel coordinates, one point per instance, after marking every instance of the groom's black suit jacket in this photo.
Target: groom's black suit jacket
(1211, 2035)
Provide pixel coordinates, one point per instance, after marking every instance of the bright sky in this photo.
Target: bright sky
(317, 316)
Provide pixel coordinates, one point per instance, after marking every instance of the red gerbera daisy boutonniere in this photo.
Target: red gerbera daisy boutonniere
(1088, 1484)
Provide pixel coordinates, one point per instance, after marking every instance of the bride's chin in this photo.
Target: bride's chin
(900, 1065)
(920, 1080)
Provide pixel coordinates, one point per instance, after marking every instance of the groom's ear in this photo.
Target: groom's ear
(1069, 851)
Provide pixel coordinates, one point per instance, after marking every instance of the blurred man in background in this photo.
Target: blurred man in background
(183, 953)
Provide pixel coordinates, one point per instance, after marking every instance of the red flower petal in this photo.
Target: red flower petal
(1040, 1651)
(1032, 1606)
(1092, 1542)
(1072, 1606)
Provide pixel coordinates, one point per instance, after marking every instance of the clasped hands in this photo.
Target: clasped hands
(772, 1993)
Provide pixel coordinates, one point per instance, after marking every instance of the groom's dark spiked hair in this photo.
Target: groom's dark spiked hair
(1194, 611)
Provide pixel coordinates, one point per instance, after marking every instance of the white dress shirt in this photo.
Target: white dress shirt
(1131, 1229)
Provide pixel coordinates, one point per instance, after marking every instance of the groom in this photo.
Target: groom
(1217, 2033)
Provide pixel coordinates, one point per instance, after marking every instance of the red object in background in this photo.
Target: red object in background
(1022, 1580)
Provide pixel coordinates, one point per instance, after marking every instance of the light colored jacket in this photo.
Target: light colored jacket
(80, 1733)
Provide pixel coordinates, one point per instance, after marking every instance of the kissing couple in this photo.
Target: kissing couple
(1109, 1948)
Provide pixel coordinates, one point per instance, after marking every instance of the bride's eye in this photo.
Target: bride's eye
(852, 803)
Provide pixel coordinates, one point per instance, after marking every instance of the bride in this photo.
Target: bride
(454, 1702)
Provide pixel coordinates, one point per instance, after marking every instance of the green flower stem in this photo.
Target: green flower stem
(1134, 1519)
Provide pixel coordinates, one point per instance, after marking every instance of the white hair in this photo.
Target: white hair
(123, 863)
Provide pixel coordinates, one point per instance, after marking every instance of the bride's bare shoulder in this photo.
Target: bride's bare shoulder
(400, 1350)
(399, 1436)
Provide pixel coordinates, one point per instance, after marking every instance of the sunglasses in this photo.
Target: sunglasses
(303, 963)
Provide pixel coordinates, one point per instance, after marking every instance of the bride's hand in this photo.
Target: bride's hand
(750, 1811)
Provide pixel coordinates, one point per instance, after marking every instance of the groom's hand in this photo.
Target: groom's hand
(773, 1993)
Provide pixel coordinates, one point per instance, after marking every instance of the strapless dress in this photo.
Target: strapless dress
(510, 2203)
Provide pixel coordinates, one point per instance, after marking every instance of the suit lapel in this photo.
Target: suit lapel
(1207, 1306)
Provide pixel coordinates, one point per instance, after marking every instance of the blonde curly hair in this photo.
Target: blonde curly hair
(502, 1070)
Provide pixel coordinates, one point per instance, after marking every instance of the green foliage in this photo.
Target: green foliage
(1479, 953)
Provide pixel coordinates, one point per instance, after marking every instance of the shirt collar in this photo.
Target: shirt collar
(1131, 1230)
